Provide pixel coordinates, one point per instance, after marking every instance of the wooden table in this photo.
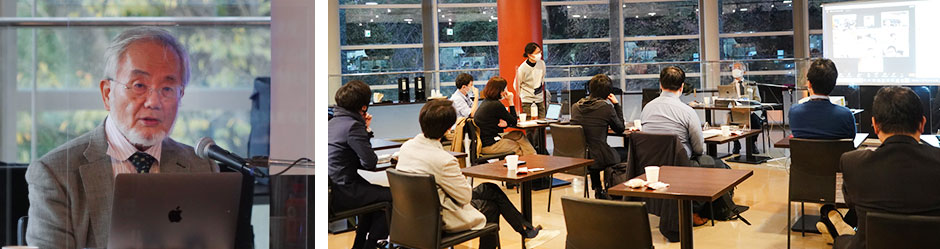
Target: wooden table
(711, 108)
(382, 144)
(389, 165)
(750, 136)
(859, 139)
(552, 164)
(687, 184)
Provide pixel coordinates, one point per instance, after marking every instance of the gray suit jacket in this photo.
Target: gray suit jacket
(71, 188)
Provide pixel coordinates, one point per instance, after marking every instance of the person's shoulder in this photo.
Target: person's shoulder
(855, 157)
(71, 151)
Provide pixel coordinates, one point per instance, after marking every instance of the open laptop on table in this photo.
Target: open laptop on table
(198, 210)
(552, 115)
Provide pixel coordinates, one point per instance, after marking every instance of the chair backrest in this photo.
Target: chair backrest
(473, 132)
(593, 223)
(649, 94)
(813, 168)
(650, 149)
(740, 116)
(21, 230)
(416, 210)
(568, 141)
(902, 231)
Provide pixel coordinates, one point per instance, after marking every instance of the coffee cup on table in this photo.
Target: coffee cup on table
(652, 174)
(637, 124)
(522, 116)
(512, 163)
(726, 130)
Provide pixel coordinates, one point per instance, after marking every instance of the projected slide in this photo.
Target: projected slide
(883, 43)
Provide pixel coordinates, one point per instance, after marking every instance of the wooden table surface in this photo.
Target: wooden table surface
(552, 164)
(724, 139)
(688, 183)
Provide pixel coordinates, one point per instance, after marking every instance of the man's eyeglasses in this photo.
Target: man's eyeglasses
(140, 89)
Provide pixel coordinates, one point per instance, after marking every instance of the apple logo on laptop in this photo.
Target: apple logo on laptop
(175, 215)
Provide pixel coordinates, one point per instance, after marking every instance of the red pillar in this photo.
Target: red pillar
(519, 23)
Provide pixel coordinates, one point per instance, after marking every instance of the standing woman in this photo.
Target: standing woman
(491, 116)
(530, 80)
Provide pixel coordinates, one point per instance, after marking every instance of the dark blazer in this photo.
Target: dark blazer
(487, 117)
(72, 186)
(349, 147)
(900, 177)
(595, 116)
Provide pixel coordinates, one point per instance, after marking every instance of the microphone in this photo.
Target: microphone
(206, 149)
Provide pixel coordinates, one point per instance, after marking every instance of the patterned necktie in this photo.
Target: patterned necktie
(142, 161)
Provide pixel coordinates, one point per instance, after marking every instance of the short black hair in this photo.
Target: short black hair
(600, 86)
(671, 78)
(463, 79)
(897, 110)
(436, 117)
(822, 74)
(494, 88)
(529, 48)
(353, 95)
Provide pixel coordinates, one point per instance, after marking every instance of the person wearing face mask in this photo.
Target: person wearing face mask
(530, 80)
(492, 117)
(743, 90)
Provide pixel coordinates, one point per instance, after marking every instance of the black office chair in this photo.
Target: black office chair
(573, 145)
(416, 214)
(602, 224)
(355, 212)
(813, 174)
(649, 94)
(902, 231)
(476, 155)
(21, 231)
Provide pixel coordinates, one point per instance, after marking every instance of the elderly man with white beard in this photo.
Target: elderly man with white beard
(71, 187)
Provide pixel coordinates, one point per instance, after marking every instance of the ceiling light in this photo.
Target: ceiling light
(409, 20)
(651, 13)
(743, 9)
(575, 16)
(372, 3)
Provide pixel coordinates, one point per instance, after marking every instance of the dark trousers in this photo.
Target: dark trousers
(596, 174)
(492, 202)
(756, 122)
(371, 227)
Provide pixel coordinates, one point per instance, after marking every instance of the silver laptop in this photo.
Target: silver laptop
(552, 114)
(727, 92)
(198, 210)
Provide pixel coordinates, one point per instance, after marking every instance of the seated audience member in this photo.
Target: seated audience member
(668, 115)
(492, 117)
(818, 118)
(743, 90)
(899, 177)
(461, 98)
(595, 113)
(350, 150)
(463, 208)
(71, 187)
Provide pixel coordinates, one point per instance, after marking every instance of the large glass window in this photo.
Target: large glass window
(745, 16)
(658, 34)
(575, 21)
(660, 18)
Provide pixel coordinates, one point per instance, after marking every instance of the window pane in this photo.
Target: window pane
(467, 1)
(765, 47)
(660, 18)
(815, 12)
(381, 60)
(575, 21)
(665, 50)
(480, 77)
(755, 16)
(370, 2)
(379, 26)
(469, 57)
(654, 69)
(816, 46)
(387, 84)
(636, 85)
(576, 53)
(98, 8)
(467, 24)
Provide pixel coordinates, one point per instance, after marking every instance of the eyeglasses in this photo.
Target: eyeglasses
(138, 89)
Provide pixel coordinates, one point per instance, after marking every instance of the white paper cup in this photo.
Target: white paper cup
(20, 247)
(708, 100)
(637, 124)
(512, 162)
(652, 173)
(725, 130)
(522, 116)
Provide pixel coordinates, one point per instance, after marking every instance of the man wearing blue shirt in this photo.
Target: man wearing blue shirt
(818, 118)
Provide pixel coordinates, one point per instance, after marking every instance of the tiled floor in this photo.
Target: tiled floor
(765, 192)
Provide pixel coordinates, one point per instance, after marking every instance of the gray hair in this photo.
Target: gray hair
(120, 43)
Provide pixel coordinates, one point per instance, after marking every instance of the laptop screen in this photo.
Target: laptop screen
(554, 111)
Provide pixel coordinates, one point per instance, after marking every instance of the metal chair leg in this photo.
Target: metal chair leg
(803, 213)
(585, 183)
(711, 210)
(789, 209)
(551, 180)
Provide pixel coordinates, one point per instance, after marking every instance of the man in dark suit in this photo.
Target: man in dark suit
(349, 151)
(899, 177)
